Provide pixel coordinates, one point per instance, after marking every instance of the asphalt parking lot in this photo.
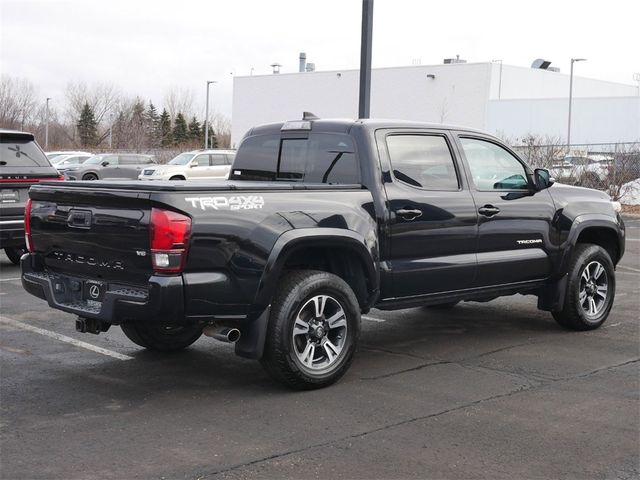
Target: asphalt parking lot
(493, 390)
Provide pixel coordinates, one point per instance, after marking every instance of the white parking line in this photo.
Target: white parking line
(633, 239)
(63, 338)
(9, 279)
(372, 319)
(629, 268)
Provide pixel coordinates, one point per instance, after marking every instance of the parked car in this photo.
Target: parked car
(198, 164)
(320, 221)
(110, 165)
(22, 164)
(52, 155)
(63, 162)
(587, 171)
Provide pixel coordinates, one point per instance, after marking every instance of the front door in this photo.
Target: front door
(199, 167)
(514, 218)
(433, 218)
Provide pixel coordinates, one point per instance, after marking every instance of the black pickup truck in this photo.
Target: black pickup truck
(320, 221)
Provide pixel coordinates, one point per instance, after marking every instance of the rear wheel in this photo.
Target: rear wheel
(165, 338)
(90, 176)
(313, 330)
(590, 289)
(14, 254)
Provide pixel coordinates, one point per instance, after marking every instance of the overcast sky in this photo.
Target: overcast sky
(150, 46)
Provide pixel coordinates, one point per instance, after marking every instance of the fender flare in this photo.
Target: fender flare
(293, 240)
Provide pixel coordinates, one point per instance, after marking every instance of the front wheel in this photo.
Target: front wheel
(90, 176)
(313, 330)
(591, 288)
(14, 254)
(164, 338)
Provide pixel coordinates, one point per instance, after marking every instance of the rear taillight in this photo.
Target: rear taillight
(28, 239)
(169, 234)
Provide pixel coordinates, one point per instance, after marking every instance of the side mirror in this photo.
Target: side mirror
(193, 165)
(543, 178)
(105, 163)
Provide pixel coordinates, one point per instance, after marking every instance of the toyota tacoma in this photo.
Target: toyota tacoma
(320, 221)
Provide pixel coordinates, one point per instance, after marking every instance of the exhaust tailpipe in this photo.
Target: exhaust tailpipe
(224, 334)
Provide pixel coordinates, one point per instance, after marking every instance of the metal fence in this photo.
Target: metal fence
(611, 167)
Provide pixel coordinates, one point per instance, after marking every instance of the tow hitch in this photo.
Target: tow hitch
(91, 325)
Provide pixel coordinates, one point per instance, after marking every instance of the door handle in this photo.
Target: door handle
(409, 214)
(488, 210)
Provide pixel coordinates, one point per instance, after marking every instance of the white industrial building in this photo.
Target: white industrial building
(505, 100)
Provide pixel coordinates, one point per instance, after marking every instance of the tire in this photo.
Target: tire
(14, 254)
(177, 177)
(591, 289)
(322, 349)
(442, 306)
(90, 176)
(163, 338)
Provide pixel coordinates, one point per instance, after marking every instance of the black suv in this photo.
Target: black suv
(22, 163)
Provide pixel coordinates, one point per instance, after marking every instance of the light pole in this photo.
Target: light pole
(365, 59)
(206, 117)
(46, 124)
(573, 60)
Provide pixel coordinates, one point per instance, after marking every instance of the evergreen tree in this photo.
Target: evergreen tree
(87, 126)
(195, 131)
(153, 126)
(164, 128)
(180, 130)
(213, 141)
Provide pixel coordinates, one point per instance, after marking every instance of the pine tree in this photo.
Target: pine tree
(152, 120)
(213, 141)
(87, 127)
(195, 131)
(180, 130)
(164, 128)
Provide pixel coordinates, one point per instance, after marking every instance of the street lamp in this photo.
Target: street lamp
(573, 60)
(46, 124)
(206, 117)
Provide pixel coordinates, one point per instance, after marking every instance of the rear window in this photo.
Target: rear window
(21, 151)
(318, 158)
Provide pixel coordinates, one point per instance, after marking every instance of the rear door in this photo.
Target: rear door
(433, 224)
(219, 165)
(514, 219)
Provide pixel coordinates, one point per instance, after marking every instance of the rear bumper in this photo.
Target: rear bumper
(11, 233)
(161, 301)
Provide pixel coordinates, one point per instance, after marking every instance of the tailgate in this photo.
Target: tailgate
(92, 233)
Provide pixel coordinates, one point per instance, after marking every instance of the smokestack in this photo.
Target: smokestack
(303, 61)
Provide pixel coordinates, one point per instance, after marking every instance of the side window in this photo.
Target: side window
(492, 167)
(145, 161)
(230, 158)
(218, 159)
(201, 161)
(111, 159)
(128, 160)
(423, 161)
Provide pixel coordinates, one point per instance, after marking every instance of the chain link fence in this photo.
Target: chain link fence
(611, 167)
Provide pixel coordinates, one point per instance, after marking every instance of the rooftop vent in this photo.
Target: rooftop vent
(448, 61)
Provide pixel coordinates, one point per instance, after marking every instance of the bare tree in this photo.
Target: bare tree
(101, 97)
(17, 102)
(222, 128)
(541, 152)
(179, 100)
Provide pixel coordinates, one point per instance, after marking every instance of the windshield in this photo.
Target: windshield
(58, 159)
(181, 159)
(21, 151)
(95, 159)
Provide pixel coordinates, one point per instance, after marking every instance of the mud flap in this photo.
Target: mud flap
(254, 333)
(551, 296)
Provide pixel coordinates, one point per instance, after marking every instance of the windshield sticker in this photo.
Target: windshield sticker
(240, 202)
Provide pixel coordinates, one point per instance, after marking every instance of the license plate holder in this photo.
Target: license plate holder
(94, 290)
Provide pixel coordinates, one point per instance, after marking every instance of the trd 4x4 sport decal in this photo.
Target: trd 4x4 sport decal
(239, 202)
